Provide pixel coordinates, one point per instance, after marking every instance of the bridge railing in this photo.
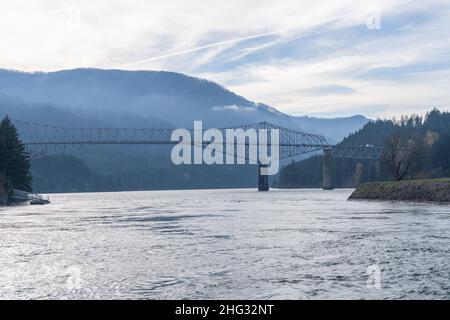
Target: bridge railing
(358, 152)
(42, 137)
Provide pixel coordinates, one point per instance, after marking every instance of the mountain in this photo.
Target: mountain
(335, 129)
(170, 97)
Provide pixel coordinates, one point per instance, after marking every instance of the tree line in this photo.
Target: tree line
(416, 147)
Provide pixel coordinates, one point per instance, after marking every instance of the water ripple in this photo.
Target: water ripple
(214, 244)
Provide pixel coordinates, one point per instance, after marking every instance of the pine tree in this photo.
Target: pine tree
(14, 160)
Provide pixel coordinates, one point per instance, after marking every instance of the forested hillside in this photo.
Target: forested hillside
(427, 139)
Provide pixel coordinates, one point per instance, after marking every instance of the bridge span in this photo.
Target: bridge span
(42, 140)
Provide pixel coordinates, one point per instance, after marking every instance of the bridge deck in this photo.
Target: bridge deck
(38, 138)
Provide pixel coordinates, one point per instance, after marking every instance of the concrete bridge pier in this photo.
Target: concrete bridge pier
(327, 169)
(263, 180)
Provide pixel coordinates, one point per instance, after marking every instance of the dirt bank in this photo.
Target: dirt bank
(434, 190)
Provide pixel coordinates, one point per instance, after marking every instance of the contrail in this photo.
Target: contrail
(208, 46)
(250, 37)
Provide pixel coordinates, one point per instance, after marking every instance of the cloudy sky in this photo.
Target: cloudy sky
(328, 58)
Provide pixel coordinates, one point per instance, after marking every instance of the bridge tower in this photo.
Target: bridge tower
(263, 180)
(327, 169)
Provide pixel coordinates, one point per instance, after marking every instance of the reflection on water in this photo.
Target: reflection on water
(240, 244)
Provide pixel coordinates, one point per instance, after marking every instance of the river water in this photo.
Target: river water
(219, 244)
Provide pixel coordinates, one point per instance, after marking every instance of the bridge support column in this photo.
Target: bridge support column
(327, 169)
(263, 180)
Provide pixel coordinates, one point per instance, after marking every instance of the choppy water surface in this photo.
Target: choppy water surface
(296, 244)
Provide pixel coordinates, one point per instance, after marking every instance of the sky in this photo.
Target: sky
(322, 58)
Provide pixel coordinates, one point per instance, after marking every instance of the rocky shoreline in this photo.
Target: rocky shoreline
(433, 190)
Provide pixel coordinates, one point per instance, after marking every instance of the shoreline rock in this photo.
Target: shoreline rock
(432, 190)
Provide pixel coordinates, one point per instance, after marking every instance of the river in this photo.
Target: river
(220, 244)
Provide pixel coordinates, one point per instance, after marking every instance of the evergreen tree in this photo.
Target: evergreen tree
(14, 160)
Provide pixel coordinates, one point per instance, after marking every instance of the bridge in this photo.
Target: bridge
(42, 140)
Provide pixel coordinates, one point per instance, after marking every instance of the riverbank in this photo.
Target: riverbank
(431, 190)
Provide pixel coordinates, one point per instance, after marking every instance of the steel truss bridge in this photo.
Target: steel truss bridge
(42, 140)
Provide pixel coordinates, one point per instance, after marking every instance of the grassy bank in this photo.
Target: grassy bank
(431, 190)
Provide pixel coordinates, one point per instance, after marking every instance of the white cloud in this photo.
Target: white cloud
(54, 35)
(233, 108)
(199, 36)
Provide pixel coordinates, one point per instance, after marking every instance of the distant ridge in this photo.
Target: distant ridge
(165, 97)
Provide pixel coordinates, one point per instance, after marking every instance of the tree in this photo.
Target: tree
(397, 158)
(440, 154)
(14, 160)
(359, 171)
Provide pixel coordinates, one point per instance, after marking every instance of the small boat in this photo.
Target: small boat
(39, 202)
(31, 198)
(37, 199)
